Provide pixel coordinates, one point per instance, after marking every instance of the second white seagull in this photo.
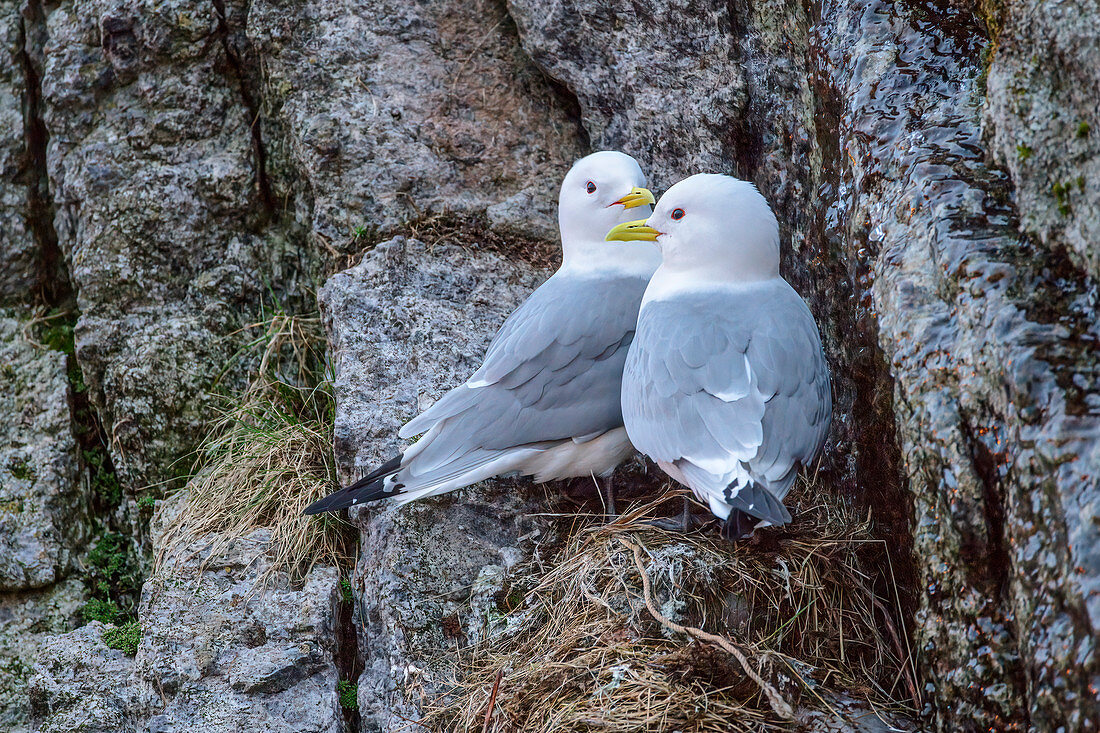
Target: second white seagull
(725, 386)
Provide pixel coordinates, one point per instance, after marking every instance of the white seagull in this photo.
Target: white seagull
(545, 402)
(726, 386)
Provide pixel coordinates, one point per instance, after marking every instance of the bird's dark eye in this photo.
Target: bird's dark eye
(590, 187)
(677, 214)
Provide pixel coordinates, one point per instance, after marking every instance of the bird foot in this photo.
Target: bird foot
(738, 526)
(683, 523)
(669, 524)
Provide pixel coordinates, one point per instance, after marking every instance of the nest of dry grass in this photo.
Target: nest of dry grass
(267, 457)
(717, 637)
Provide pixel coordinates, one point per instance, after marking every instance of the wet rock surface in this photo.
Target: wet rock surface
(996, 398)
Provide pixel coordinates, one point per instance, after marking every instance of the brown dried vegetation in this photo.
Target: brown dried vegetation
(581, 644)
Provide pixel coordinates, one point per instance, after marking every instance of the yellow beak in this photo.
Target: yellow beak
(636, 197)
(632, 231)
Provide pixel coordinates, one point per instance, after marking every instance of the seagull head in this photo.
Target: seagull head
(711, 224)
(600, 191)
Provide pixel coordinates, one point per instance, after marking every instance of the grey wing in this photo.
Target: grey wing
(787, 357)
(552, 372)
(728, 386)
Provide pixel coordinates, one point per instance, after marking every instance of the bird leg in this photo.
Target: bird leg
(682, 524)
(609, 497)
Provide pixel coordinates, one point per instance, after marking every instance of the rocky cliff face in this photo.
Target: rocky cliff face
(171, 174)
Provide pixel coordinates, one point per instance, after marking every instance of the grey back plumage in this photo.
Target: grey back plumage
(551, 373)
(729, 385)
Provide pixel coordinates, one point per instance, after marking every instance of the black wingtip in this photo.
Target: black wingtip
(751, 504)
(369, 488)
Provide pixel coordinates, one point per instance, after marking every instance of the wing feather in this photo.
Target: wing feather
(729, 385)
(552, 372)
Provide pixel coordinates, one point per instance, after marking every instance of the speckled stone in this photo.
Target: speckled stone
(27, 619)
(19, 254)
(43, 512)
(219, 651)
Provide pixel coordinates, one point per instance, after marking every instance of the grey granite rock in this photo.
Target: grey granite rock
(43, 512)
(199, 152)
(27, 619)
(219, 651)
(164, 215)
(397, 110)
(1043, 120)
(80, 684)
(406, 324)
(19, 252)
(664, 82)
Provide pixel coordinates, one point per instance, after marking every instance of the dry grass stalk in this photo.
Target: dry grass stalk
(579, 651)
(781, 707)
(267, 458)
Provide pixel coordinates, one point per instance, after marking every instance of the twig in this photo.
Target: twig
(781, 707)
(909, 682)
(492, 702)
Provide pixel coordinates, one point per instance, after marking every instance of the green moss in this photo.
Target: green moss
(345, 591)
(106, 612)
(110, 558)
(348, 694)
(1083, 129)
(58, 335)
(11, 506)
(986, 59)
(1023, 152)
(147, 501)
(20, 469)
(113, 580)
(1061, 196)
(360, 232)
(104, 482)
(125, 638)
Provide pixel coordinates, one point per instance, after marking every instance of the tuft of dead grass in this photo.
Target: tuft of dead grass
(267, 457)
(589, 645)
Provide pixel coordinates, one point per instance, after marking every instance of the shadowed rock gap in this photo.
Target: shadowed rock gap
(255, 120)
(868, 459)
(53, 280)
(346, 655)
(566, 97)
